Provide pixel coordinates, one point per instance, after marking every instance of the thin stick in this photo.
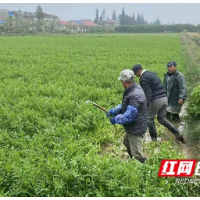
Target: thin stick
(94, 104)
(100, 107)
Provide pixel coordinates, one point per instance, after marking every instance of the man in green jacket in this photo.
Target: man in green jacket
(175, 85)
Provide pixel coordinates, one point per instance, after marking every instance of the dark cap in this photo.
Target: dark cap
(136, 68)
(171, 63)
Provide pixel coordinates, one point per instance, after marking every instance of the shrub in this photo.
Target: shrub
(194, 103)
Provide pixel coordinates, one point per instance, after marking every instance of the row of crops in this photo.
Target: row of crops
(51, 141)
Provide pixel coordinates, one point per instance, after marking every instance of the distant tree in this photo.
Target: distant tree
(158, 21)
(128, 20)
(133, 19)
(114, 16)
(39, 14)
(8, 26)
(142, 19)
(139, 19)
(96, 20)
(122, 18)
(102, 19)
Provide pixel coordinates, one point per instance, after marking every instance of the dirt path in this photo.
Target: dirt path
(190, 150)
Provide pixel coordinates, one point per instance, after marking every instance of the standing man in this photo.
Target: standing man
(175, 85)
(132, 115)
(156, 102)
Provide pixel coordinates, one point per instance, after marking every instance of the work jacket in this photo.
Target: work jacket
(175, 87)
(152, 86)
(135, 97)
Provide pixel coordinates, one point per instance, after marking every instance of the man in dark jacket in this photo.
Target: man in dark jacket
(175, 85)
(156, 102)
(132, 115)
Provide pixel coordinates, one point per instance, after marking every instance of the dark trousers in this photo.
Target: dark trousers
(173, 117)
(159, 107)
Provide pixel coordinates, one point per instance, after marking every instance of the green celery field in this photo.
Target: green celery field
(52, 143)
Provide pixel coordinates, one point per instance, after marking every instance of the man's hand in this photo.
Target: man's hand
(112, 121)
(180, 101)
(108, 114)
(111, 113)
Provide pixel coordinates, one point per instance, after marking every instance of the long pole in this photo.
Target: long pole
(94, 104)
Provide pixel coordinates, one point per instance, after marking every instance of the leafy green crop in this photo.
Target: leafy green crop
(194, 104)
(51, 141)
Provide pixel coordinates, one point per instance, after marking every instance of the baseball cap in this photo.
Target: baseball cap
(136, 68)
(126, 75)
(171, 63)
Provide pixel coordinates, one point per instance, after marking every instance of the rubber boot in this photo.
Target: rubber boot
(142, 160)
(152, 132)
(180, 138)
(129, 153)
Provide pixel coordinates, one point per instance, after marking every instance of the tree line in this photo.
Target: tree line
(127, 24)
(123, 18)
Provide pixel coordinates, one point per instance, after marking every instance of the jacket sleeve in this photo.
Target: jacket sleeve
(128, 117)
(147, 90)
(182, 87)
(165, 82)
(115, 111)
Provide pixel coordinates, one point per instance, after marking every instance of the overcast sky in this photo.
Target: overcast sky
(166, 12)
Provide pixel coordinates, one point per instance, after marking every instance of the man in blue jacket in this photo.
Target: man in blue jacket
(156, 102)
(132, 115)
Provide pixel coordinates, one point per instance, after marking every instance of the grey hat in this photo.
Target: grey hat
(126, 75)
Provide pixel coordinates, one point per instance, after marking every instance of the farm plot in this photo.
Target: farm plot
(50, 139)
